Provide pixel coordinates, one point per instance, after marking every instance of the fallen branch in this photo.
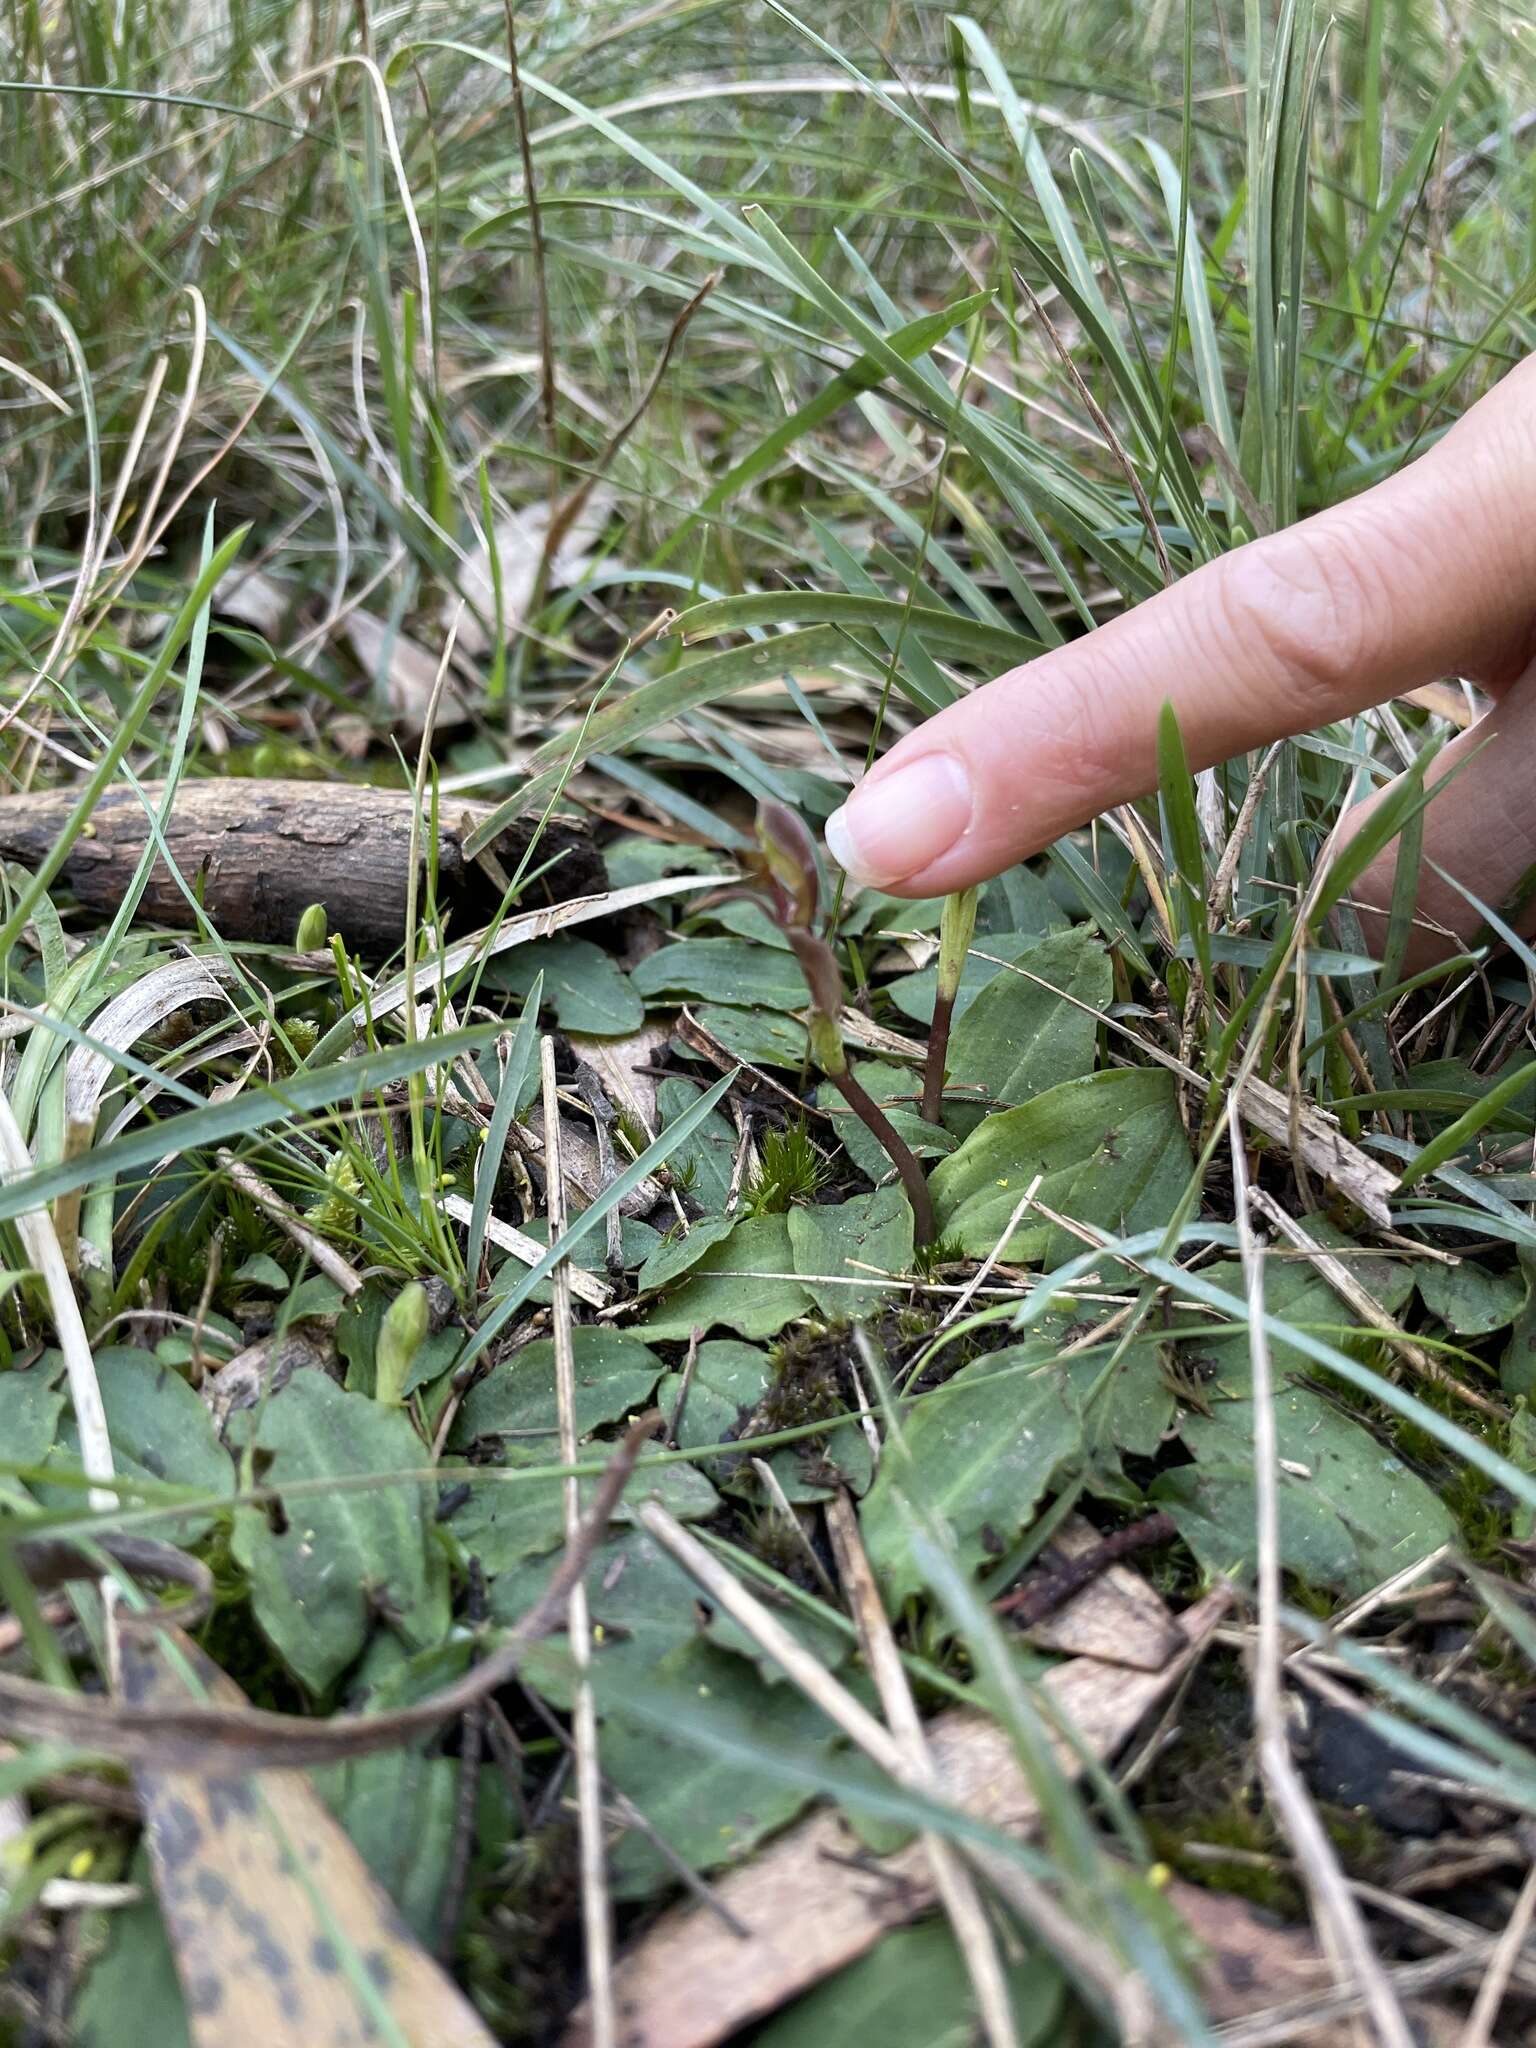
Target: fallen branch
(257, 854)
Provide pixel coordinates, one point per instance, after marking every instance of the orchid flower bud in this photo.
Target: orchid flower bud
(788, 864)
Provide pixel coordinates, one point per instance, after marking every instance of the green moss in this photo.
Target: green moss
(790, 1170)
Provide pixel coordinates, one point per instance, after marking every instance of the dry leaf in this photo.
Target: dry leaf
(621, 1065)
(520, 541)
(1116, 1616)
(278, 1930)
(815, 1900)
(408, 671)
(255, 599)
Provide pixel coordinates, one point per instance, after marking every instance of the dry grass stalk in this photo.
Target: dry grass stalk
(1340, 1925)
(956, 1887)
(596, 1910)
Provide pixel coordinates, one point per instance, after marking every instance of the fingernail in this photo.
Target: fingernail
(895, 825)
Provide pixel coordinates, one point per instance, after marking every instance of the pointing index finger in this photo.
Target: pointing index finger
(1428, 573)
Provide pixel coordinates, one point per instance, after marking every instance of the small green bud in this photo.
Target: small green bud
(957, 927)
(314, 928)
(401, 1335)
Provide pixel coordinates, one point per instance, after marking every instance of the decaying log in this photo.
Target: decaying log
(257, 854)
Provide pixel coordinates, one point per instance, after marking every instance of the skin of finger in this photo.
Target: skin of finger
(1480, 826)
(1429, 573)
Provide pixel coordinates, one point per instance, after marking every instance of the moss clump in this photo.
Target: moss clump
(812, 1380)
(790, 1170)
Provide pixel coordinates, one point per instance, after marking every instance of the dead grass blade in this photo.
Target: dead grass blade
(1340, 1924)
(596, 1912)
(955, 1885)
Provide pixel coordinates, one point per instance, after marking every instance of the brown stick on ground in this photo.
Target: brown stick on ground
(257, 854)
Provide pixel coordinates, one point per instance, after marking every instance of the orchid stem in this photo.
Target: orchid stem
(937, 1059)
(874, 1117)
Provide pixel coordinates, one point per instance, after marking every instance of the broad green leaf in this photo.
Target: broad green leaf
(913, 1991)
(709, 1810)
(678, 1255)
(159, 1430)
(31, 1405)
(1352, 1512)
(1359, 1518)
(837, 1243)
(896, 1090)
(136, 1975)
(340, 1559)
(759, 1037)
(1468, 1298)
(642, 1606)
(1027, 1031)
(702, 1163)
(1110, 1153)
(722, 971)
(507, 1519)
(729, 1379)
(615, 1376)
(262, 1270)
(400, 1807)
(979, 1453)
(1517, 1367)
(745, 1282)
(583, 987)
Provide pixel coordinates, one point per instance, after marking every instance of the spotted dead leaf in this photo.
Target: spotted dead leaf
(278, 1930)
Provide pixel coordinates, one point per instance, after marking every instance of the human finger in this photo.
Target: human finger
(1429, 573)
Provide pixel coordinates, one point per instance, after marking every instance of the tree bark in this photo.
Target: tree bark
(257, 854)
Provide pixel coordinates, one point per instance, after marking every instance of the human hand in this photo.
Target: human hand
(1431, 573)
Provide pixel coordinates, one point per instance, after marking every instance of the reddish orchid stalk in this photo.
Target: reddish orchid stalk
(784, 868)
